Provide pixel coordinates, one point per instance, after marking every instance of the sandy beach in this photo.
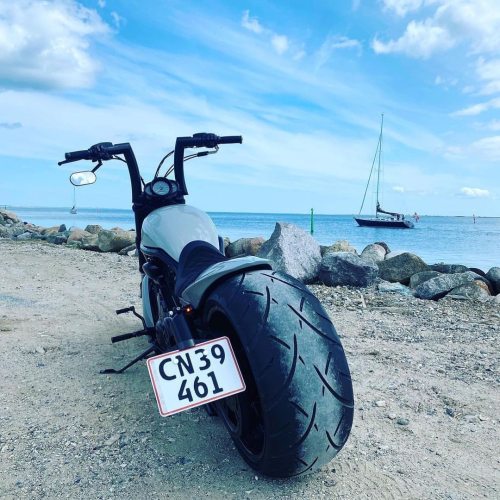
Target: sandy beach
(425, 378)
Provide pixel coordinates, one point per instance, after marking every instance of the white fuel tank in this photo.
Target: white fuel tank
(172, 228)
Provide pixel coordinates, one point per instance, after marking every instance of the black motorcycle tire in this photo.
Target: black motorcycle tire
(296, 413)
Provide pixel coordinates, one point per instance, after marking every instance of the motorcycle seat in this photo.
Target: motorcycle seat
(195, 257)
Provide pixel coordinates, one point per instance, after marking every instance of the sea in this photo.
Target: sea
(454, 240)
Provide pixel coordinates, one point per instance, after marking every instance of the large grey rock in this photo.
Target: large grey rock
(375, 252)
(114, 241)
(441, 267)
(493, 276)
(24, 236)
(438, 287)
(401, 267)
(340, 246)
(90, 242)
(293, 251)
(57, 239)
(93, 228)
(421, 277)
(388, 287)
(475, 290)
(345, 268)
(384, 245)
(245, 246)
(9, 216)
(77, 235)
(126, 250)
(50, 230)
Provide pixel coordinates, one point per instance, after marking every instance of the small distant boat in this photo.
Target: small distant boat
(395, 220)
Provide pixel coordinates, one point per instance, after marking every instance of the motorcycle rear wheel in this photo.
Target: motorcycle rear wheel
(297, 411)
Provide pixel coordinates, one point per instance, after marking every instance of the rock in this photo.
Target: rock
(341, 246)
(245, 246)
(93, 228)
(4, 232)
(16, 230)
(402, 421)
(438, 287)
(345, 268)
(493, 276)
(133, 253)
(90, 242)
(421, 277)
(293, 251)
(449, 268)
(392, 416)
(24, 236)
(401, 267)
(475, 290)
(395, 253)
(114, 241)
(50, 230)
(57, 239)
(62, 228)
(380, 403)
(126, 250)
(227, 241)
(383, 245)
(9, 216)
(40, 350)
(387, 287)
(375, 252)
(478, 271)
(74, 244)
(77, 235)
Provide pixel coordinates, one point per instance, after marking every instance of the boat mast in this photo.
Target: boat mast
(379, 157)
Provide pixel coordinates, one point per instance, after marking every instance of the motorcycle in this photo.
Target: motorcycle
(253, 345)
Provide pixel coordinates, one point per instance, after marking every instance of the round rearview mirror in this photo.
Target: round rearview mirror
(82, 178)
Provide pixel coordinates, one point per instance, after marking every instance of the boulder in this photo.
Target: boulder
(388, 287)
(341, 246)
(227, 241)
(4, 232)
(62, 228)
(375, 252)
(24, 236)
(401, 267)
(245, 246)
(422, 276)
(50, 230)
(114, 241)
(394, 253)
(345, 268)
(438, 287)
(493, 276)
(293, 251)
(74, 244)
(93, 228)
(478, 271)
(383, 245)
(126, 250)
(441, 267)
(475, 290)
(90, 242)
(77, 235)
(57, 239)
(16, 230)
(9, 216)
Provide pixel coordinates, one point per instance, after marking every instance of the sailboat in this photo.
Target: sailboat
(395, 219)
(73, 208)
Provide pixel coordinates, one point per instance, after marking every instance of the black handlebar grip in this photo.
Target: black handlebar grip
(231, 139)
(77, 155)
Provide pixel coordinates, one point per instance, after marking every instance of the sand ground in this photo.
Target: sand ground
(68, 432)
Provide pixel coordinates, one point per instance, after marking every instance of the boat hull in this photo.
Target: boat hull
(396, 224)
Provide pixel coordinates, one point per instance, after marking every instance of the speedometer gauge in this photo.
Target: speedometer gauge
(161, 187)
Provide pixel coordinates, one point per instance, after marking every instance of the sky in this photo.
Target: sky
(304, 83)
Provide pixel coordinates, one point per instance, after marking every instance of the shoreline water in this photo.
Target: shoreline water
(451, 239)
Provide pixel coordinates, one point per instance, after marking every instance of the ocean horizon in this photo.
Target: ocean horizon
(452, 239)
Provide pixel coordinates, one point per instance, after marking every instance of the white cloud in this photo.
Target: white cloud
(398, 189)
(280, 43)
(117, 19)
(479, 108)
(47, 45)
(489, 73)
(488, 147)
(453, 22)
(251, 23)
(420, 40)
(475, 192)
(402, 7)
(333, 43)
(101, 3)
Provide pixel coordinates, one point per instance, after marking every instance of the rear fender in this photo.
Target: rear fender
(195, 292)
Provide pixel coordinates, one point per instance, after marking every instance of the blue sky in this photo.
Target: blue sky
(303, 82)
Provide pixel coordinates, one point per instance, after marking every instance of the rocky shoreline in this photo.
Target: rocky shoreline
(297, 253)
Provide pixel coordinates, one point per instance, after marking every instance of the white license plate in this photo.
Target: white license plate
(195, 376)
